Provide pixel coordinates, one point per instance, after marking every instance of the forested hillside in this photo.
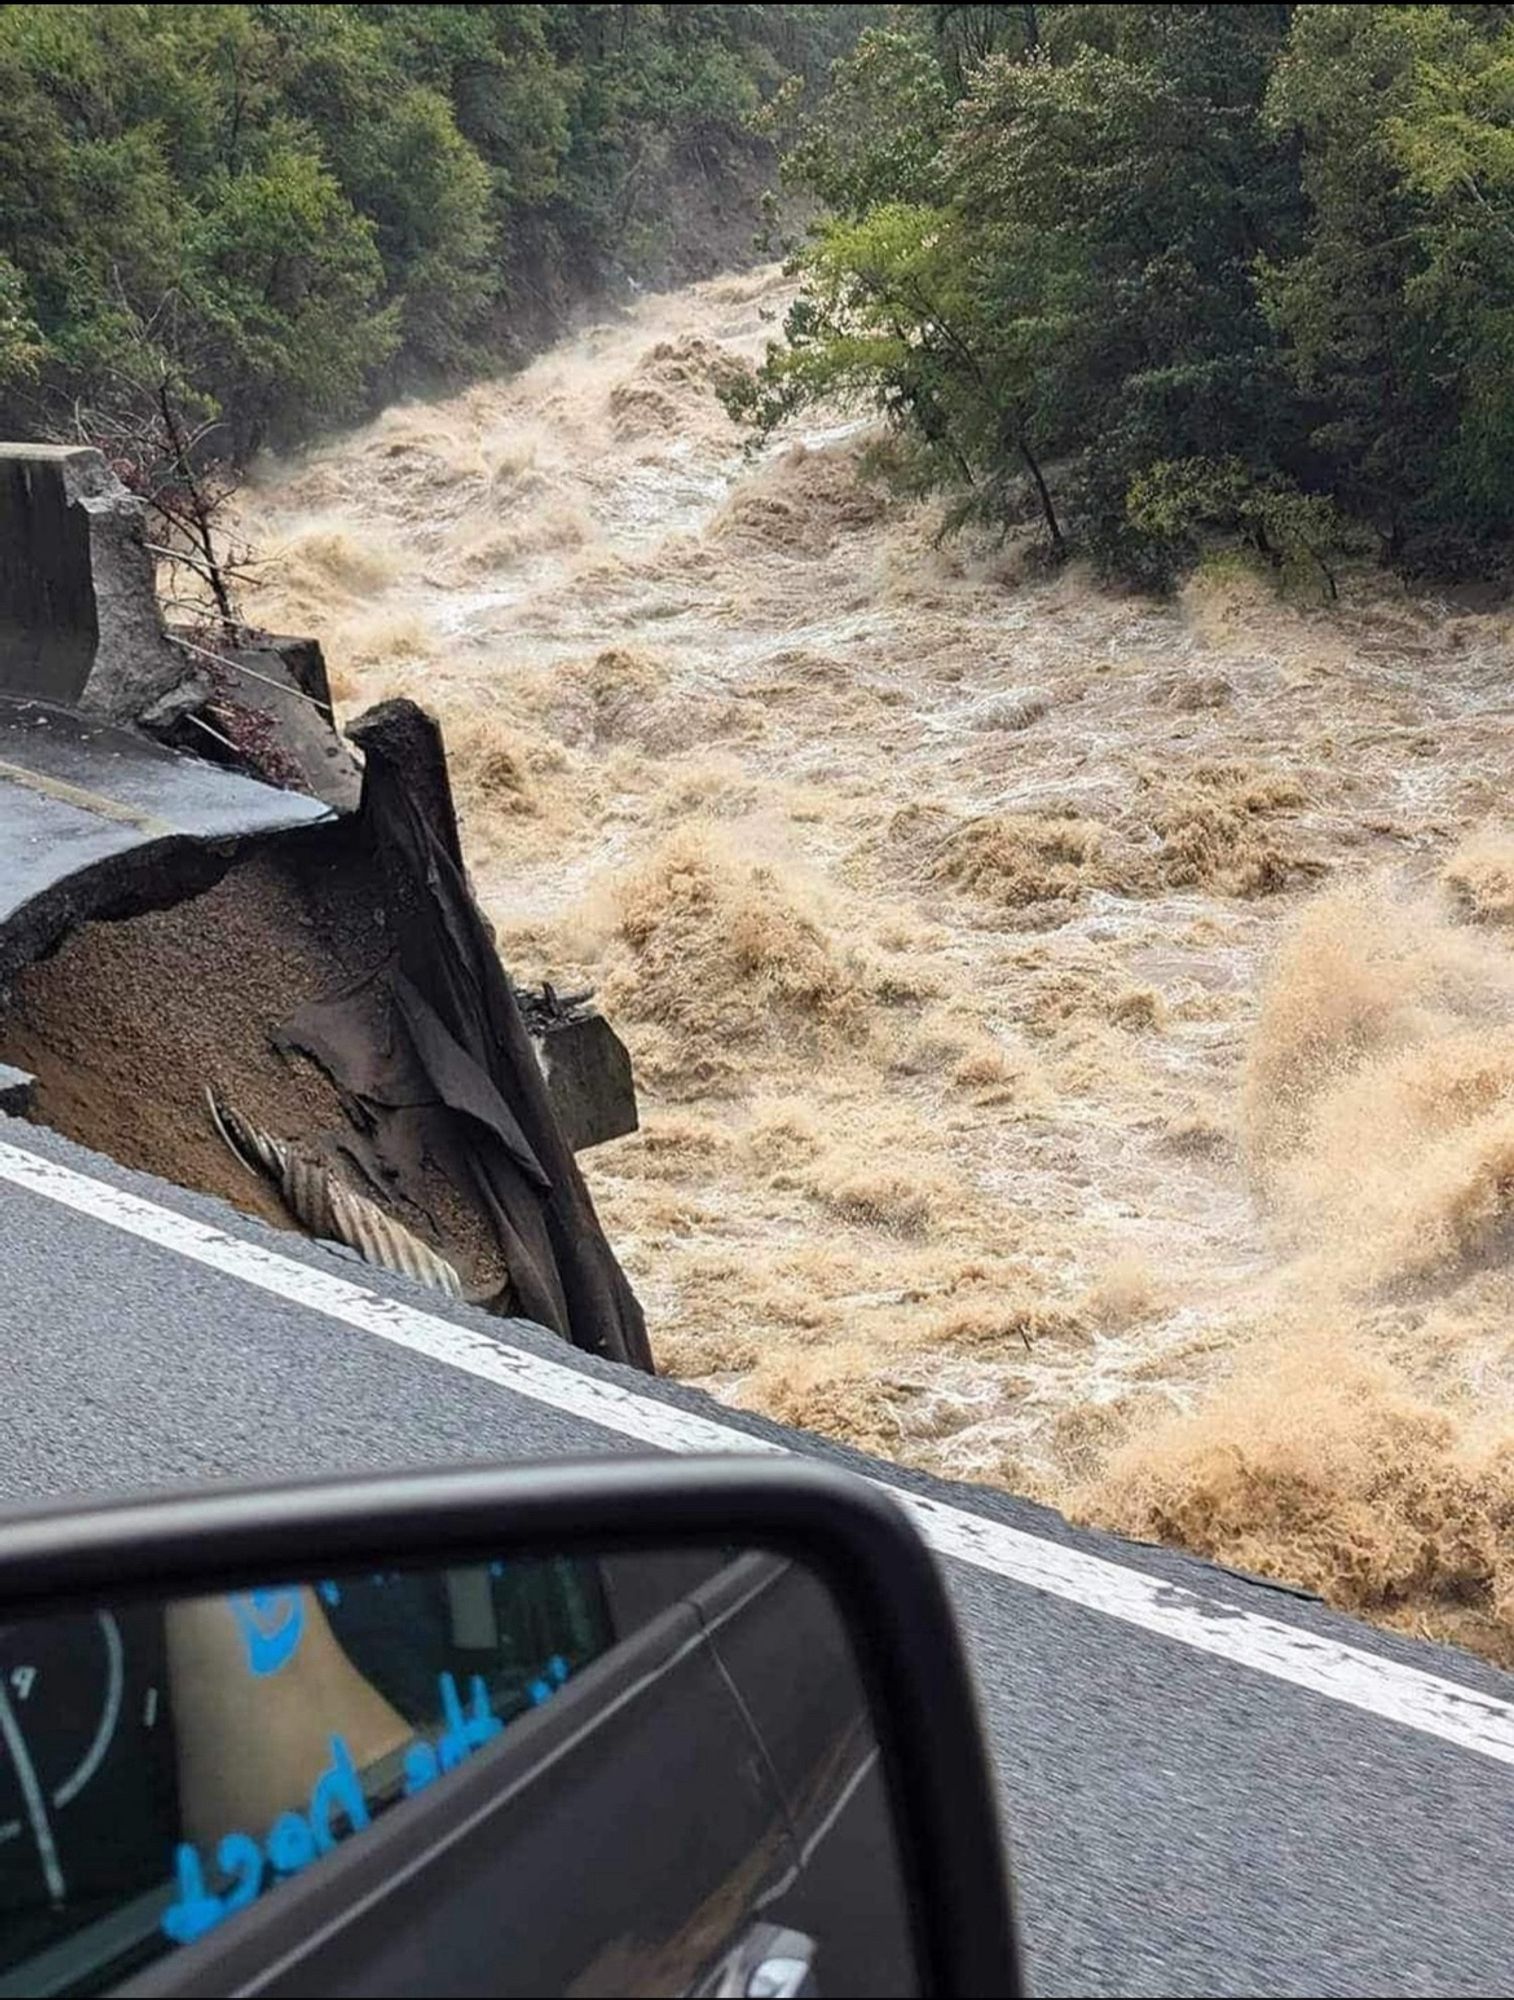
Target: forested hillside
(281, 211)
(1155, 276)
(1164, 274)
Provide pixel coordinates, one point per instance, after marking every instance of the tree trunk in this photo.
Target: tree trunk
(1043, 494)
(199, 508)
(1326, 572)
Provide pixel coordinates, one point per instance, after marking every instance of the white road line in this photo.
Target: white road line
(1381, 1687)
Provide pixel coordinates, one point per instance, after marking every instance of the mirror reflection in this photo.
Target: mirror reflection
(650, 1773)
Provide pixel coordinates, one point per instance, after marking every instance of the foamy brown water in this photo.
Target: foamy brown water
(937, 904)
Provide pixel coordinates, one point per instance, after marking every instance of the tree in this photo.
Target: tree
(891, 315)
(969, 35)
(1175, 501)
(159, 436)
(1397, 314)
(1363, 361)
(334, 199)
(878, 132)
(428, 195)
(1455, 148)
(1082, 285)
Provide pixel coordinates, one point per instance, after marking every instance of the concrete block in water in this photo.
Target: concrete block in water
(79, 622)
(588, 1072)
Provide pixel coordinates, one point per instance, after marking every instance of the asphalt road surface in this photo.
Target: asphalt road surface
(90, 816)
(1210, 1786)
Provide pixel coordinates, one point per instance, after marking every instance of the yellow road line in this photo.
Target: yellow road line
(90, 802)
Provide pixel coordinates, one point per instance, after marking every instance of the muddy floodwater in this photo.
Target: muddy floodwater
(1075, 1034)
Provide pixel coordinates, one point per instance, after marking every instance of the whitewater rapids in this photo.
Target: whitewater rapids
(1075, 1034)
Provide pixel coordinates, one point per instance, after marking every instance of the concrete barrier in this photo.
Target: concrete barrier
(79, 621)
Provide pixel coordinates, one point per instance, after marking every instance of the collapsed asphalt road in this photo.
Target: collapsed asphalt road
(327, 978)
(1210, 1786)
(93, 819)
(293, 932)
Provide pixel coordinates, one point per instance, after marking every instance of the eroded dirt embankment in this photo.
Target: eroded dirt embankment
(129, 1022)
(937, 902)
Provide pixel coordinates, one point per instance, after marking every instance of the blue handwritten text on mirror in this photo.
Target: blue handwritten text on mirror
(292, 1843)
(272, 1623)
(337, 1807)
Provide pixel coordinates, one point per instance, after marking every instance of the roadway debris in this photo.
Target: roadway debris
(16, 1089)
(326, 1206)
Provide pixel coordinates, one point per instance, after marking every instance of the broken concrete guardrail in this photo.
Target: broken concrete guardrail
(79, 621)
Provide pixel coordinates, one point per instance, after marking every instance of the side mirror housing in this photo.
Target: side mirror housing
(611, 1726)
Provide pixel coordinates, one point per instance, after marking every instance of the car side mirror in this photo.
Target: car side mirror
(607, 1727)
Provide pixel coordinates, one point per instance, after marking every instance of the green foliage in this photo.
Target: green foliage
(276, 303)
(281, 208)
(1399, 312)
(876, 136)
(1175, 501)
(1239, 271)
(21, 344)
(966, 36)
(895, 314)
(1357, 355)
(428, 195)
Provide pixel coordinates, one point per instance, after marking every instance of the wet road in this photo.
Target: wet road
(1210, 1786)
